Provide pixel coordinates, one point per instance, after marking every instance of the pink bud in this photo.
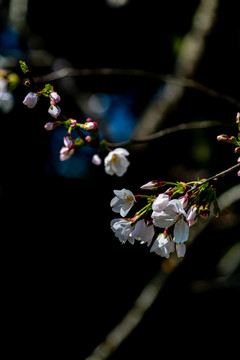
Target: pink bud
(96, 159)
(49, 126)
(88, 119)
(222, 137)
(67, 141)
(31, 100)
(91, 125)
(88, 139)
(151, 185)
(184, 201)
(192, 215)
(73, 122)
(55, 97)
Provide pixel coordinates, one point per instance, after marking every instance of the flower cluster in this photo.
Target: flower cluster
(86, 134)
(164, 222)
(232, 139)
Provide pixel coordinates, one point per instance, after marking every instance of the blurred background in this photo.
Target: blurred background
(66, 280)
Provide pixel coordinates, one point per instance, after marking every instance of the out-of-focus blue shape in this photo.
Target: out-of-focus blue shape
(10, 42)
(121, 119)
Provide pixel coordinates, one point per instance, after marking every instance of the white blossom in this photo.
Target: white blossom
(160, 203)
(163, 246)
(116, 162)
(173, 214)
(6, 101)
(143, 232)
(122, 229)
(122, 202)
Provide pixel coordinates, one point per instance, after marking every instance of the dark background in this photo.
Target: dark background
(66, 280)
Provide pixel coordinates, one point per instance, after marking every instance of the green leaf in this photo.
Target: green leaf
(47, 90)
(24, 67)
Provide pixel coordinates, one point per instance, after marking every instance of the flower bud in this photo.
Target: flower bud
(151, 185)
(238, 118)
(223, 137)
(31, 100)
(54, 97)
(204, 211)
(54, 111)
(96, 160)
(184, 200)
(192, 215)
(73, 122)
(51, 125)
(90, 125)
(88, 139)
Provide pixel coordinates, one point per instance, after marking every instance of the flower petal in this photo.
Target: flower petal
(164, 219)
(180, 231)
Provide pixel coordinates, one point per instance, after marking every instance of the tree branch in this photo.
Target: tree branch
(170, 130)
(170, 79)
(151, 291)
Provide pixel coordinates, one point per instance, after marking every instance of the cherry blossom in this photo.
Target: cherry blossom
(143, 232)
(6, 101)
(160, 203)
(163, 246)
(116, 162)
(173, 214)
(122, 202)
(122, 229)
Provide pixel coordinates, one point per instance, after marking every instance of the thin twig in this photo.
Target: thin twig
(175, 80)
(222, 174)
(170, 130)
